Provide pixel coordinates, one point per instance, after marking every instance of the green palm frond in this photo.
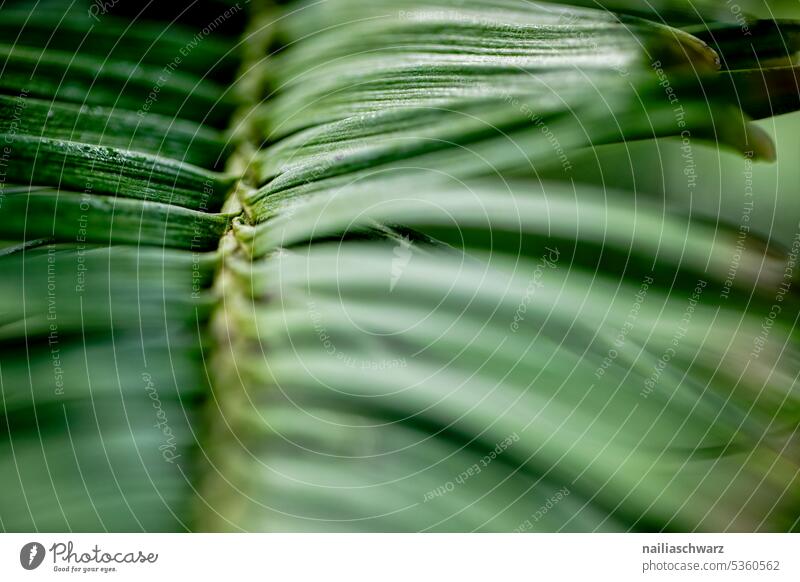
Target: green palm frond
(342, 269)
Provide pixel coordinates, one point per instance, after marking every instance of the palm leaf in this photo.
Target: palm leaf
(369, 311)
